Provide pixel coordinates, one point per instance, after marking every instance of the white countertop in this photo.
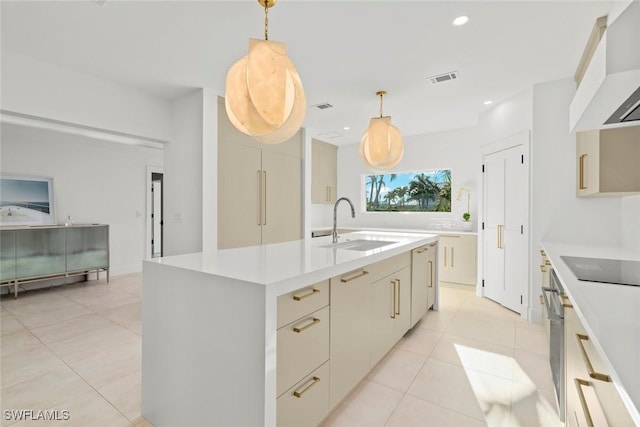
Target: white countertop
(610, 314)
(296, 263)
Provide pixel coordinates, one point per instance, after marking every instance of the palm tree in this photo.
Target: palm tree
(443, 200)
(381, 184)
(373, 180)
(422, 189)
(401, 192)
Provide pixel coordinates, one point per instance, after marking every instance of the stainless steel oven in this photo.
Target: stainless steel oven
(555, 313)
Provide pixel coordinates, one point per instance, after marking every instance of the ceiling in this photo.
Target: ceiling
(344, 50)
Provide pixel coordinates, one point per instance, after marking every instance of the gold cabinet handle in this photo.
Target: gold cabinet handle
(582, 186)
(547, 262)
(566, 302)
(259, 198)
(592, 373)
(445, 256)
(543, 268)
(541, 300)
(452, 259)
(430, 274)
(314, 321)
(398, 298)
(543, 253)
(432, 245)
(355, 276)
(265, 197)
(393, 307)
(500, 236)
(308, 294)
(421, 250)
(583, 402)
(314, 381)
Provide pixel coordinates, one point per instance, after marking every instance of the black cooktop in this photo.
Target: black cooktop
(621, 272)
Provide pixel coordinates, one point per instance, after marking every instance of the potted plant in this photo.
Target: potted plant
(467, 215)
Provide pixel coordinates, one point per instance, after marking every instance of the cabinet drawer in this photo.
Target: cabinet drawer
(301, 302)
(306, 403)
(303, 345)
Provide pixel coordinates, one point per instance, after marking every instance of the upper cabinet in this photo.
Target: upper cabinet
(259, 188)
(324, 172)
(607, 162)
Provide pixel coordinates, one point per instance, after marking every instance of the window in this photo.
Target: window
(423, 191)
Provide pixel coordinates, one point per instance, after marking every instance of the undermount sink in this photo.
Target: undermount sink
(359, 245)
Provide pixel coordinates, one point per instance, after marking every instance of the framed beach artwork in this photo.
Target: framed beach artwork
(26, 201)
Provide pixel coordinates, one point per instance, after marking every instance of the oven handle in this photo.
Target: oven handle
(552, 315)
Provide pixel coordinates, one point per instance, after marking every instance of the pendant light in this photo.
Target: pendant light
(264, 95)
(381, 145)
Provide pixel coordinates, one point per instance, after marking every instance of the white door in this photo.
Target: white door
(505, 245)
(494, 184)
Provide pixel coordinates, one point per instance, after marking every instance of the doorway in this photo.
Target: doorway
(157, 217)
(506, 224)
(154, 236)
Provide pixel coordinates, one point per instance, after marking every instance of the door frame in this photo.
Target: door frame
(523, 139)
(148, 211)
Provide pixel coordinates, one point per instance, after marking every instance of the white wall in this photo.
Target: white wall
(43, 89)
(630, 223)
(93, 182)
(209, 170)
(457, 150)
(558, 215)
(183, 168)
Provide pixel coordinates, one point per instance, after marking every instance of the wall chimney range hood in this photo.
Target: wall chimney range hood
(609, 92)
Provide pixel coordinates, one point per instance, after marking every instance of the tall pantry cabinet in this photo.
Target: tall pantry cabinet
(259, 188)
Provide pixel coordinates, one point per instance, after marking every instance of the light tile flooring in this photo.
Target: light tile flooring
(77, 348)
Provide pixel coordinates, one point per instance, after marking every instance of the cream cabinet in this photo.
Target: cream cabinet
(259, 188)
(423, 277)
(370, 311)
(390, 312)
(349, 347)
(324, 172)
(458, 261)
(545, 269)
(607, 162)
(302, 357)
(591, 396)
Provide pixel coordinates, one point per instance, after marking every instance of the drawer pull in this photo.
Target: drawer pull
(393, 308)
(307, 326)
(583, 186)
(308, 294)
(313, 382)
(543, 253)
(355, 276)
(541, 300)
(592, 373)
(547, 262)
(583, 402)
(398, 299)
(432, 245)
(566, 302)
(422, 250)
(543, 268)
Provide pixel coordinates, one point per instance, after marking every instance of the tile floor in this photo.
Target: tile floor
(77, 348)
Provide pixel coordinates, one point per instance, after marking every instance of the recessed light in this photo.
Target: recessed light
(346, 128)
(461, 20)
(488, 102)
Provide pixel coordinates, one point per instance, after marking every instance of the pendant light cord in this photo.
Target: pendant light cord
(266, 21)
(381, 95)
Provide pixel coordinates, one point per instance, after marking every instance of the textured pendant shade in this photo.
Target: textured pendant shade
(381, 145)
(264, 95)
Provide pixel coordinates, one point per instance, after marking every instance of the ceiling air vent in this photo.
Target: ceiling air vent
(453, 75)
(323, 106)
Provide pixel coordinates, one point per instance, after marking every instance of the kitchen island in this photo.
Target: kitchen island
(219, 329)
(609, 315)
